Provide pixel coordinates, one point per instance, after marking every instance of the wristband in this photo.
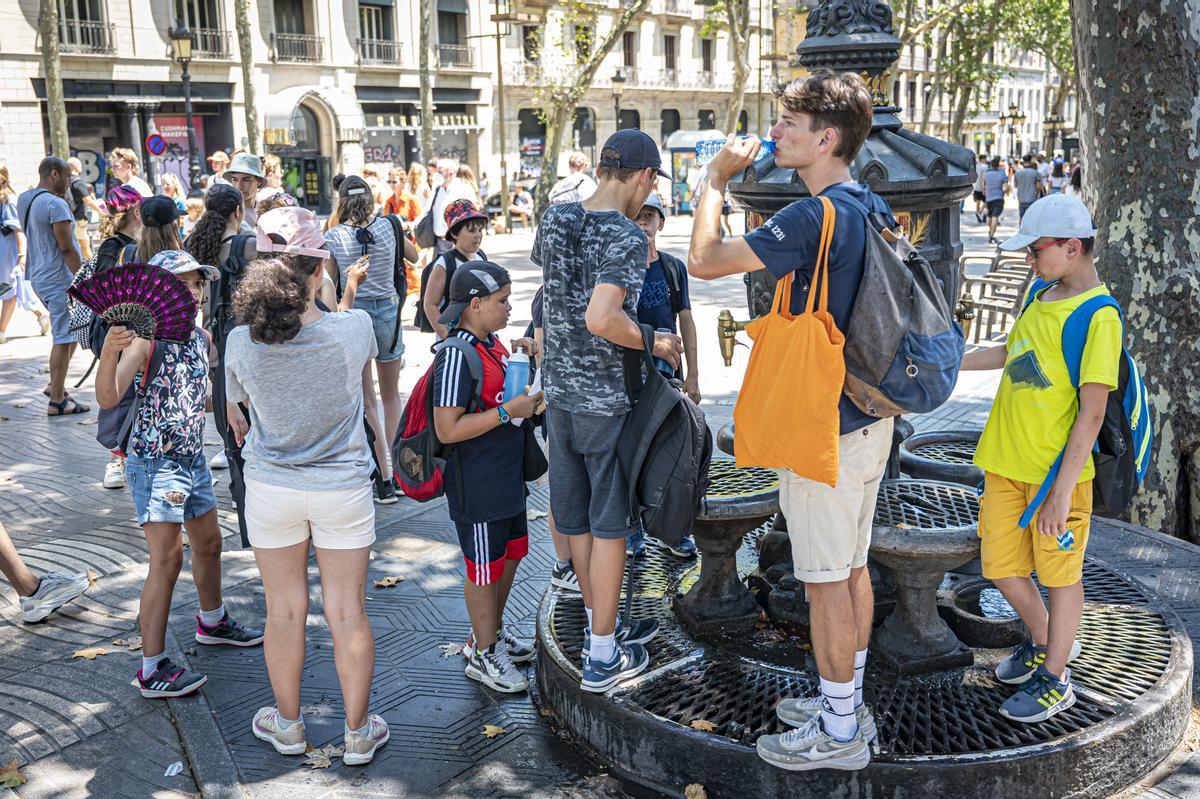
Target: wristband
(504, 417)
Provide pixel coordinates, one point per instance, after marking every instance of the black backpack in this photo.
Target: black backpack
(665, 449)
(221, 295)
(674, 270)
(449, 263)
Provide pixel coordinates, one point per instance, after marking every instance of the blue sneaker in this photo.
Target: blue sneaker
(1025, 660)
(686, 548)
(1040, 697)
(629, 660)
(638, 631)
(635, 544)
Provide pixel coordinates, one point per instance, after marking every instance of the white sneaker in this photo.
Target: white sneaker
(54, 591)
(810, 747)
(219, 461)
(289, 741)
(360, 749)
(114, 473)
(798, 712)
(494, 668)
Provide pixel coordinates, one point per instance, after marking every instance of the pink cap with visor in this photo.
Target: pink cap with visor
(291, 230)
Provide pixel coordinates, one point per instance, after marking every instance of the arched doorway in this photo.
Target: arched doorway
(670, 123)
(583, 133)
(743, 121)
(707, 119)
(531, 138)
(630, 119)
(306, 172)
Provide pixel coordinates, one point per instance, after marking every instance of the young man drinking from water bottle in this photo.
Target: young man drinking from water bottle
(593, 260)
(824, 119)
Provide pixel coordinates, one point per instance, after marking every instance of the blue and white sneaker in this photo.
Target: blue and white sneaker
(629, 660)
(686, 548)
(1040, 697)
(635, 544)
(1025, 660)
(638, 631)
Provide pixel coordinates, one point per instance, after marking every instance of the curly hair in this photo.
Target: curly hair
(272, 296)
(109, 225)
(204, 243)
(155, 239)
(280, 199)
(355, 209)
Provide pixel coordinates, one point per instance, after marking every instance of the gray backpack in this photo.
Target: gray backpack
(903, 345)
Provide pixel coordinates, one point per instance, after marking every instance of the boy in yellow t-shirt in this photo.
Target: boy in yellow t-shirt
(1036, 414)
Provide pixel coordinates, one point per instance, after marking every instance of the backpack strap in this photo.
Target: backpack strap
(153, 365)
(128, 254)
(1074, 341)
(399, 279)
(29, 209)
(672, 268)
(474, 365)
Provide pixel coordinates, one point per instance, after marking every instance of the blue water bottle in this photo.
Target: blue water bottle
(662, 364)
(516, 377)
(707, 149)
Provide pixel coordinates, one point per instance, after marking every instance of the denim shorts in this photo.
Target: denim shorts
(54, 297)
(172, 491)
(383, 313)
(588, 491)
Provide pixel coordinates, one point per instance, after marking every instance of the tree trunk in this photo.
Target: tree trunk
(1065, 87)
(245, 35)
(1140, 166)
(556, 124)
(737, 14)
(426, 79)
(962, 104)
(56, 105)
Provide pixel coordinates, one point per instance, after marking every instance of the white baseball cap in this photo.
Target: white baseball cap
(1059, 216)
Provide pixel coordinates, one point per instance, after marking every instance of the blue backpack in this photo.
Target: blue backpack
(1121, 454)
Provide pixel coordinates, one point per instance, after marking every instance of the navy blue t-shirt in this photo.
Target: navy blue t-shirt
(789, 241)
(654, 303)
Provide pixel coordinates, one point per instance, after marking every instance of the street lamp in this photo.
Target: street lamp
(1014, 119)
(1054, 124)
(618, 86)
(181, 41)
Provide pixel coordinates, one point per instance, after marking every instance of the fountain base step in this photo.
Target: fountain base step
(908, 664)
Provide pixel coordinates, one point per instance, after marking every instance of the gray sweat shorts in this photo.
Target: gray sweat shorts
(588, 491)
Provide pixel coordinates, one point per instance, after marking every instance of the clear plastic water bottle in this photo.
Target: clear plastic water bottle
(707, 149)
(662, 364)
(516, 376)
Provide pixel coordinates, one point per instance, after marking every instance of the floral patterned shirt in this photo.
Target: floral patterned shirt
(170, 419)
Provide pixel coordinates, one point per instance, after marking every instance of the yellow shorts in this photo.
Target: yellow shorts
(1009, 551)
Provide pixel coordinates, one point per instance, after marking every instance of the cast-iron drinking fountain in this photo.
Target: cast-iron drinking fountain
(733, 636)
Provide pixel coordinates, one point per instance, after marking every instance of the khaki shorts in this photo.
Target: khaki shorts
(281, 517)
(830, 528)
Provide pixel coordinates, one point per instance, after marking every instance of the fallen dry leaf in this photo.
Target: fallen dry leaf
(323, 757)
(92, 420)
(389, 582)
(703, 726)
(92, 576)
(90, 653)
(695, 791)
(491, 730)
(450, 649)
(10, 775)
(132, 644)
(546, 712)
(535, 514)
(20, 404)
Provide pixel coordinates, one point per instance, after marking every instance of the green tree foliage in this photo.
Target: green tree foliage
(1044, 27)
(732, 16)
(972, 34)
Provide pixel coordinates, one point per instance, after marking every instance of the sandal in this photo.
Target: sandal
(62, 407)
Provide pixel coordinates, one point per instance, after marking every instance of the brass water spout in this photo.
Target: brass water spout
(965, 312)
(727, 328)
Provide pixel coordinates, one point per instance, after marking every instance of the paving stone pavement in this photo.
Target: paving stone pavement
(84, 731)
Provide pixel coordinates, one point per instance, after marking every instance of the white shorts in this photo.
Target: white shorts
(280, 517)
(830, 528)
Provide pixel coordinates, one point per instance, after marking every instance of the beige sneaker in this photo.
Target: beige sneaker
(267, 728)
(360, 749)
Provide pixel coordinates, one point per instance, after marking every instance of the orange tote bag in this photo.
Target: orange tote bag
(786, 415)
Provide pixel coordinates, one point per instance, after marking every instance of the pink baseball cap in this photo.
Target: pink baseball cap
(291, 230)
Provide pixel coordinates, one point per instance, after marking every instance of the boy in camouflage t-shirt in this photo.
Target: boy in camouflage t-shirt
(593, 260)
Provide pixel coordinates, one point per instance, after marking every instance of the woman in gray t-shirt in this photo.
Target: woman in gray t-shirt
(308, 476)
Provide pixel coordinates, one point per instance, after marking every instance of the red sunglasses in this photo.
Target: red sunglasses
(1034, 249)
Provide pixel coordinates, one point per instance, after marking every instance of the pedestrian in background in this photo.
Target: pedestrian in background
(12, 256)
(1028, 185)
(245, 174)
(173, 188)
(219, 161)
(418, 186)
(81, 197)
(125, 167)
(996, 187)
(401, 201)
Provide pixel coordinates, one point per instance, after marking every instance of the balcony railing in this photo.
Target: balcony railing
(682, 8)
(379, 51)
(455, 56)
(296, 47)
(523, 73)
(82, 36)
(210, 43)
(668, 77)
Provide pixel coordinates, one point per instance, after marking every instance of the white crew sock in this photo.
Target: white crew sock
(837, 712)
(286, 724)
(603, 647)
(860, 670)
(211, 618)
(150, 664)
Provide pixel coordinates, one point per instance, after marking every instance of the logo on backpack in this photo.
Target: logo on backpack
(1121, 454)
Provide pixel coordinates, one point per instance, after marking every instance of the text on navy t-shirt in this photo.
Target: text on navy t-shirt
(654, 303)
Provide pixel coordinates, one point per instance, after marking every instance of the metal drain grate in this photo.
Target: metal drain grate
(671, 643)
(1125, 651)
(926, 505)
(956, 452)
(726, 480)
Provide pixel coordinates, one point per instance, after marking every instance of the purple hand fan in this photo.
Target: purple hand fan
(148, 300)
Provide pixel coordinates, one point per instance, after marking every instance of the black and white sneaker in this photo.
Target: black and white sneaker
(385, 492)
(494, 668)
(636, 631)
(167, 681)
(564, 577)
(518, 650)
(227, 631)
(54, 591)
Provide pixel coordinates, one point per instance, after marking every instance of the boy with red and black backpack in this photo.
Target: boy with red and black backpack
(484, 473)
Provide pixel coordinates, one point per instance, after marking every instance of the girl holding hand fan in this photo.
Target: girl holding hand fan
(167, 474)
